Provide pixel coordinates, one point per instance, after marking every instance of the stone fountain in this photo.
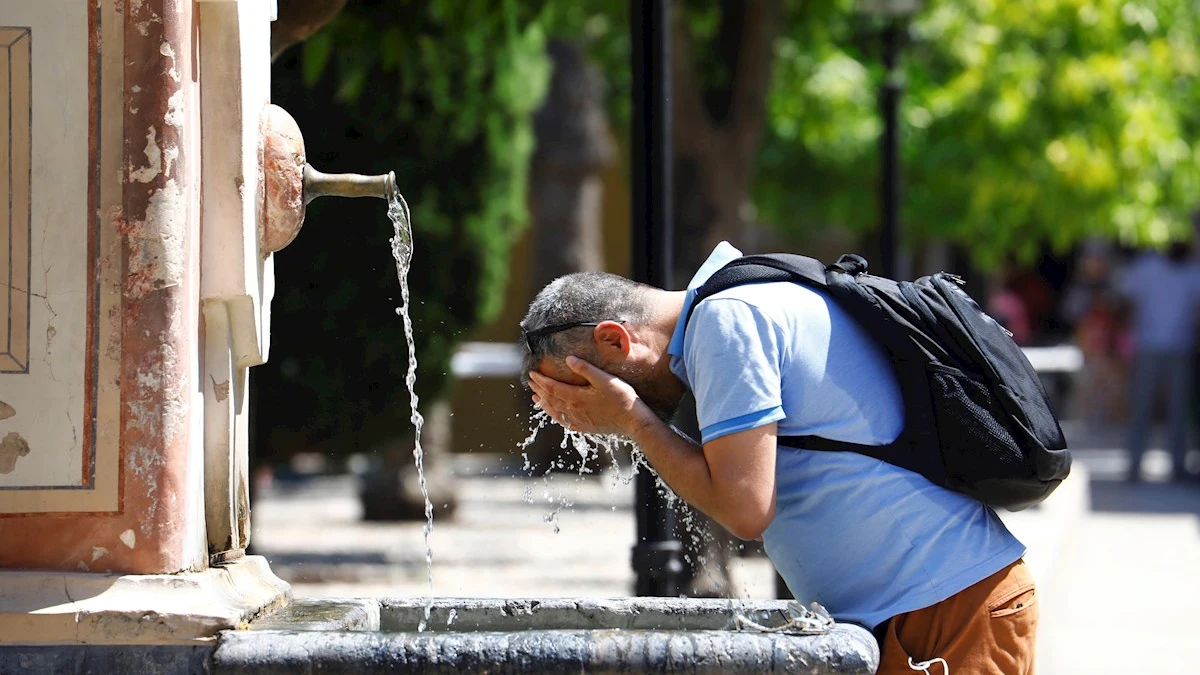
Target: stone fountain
(148, 182)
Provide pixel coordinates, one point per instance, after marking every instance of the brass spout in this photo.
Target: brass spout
(318, 184)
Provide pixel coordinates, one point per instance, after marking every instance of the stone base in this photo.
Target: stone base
(38, 608)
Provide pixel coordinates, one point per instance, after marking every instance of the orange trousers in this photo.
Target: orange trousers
(987, 629)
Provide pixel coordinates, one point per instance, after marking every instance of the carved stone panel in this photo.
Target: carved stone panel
(60, 306)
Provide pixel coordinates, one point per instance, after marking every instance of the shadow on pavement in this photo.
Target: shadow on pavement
(1108, 495)
(357, 558)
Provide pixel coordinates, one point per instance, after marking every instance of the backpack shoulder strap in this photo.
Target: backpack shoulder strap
(758, 269)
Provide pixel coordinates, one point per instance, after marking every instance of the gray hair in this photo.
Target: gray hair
(583, 296)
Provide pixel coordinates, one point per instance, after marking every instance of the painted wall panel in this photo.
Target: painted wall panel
(59, 306)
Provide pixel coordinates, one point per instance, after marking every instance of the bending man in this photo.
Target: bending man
(933, 573)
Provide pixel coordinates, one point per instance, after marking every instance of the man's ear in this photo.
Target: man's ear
(612, 340)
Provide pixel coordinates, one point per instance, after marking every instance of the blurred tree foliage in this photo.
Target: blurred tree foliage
(442, 92)
(1025, 122)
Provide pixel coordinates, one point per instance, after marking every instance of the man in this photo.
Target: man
(933, 573)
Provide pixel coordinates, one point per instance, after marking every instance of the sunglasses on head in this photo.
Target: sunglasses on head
(555, 328)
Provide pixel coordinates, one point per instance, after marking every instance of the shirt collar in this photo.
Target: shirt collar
(721, 256)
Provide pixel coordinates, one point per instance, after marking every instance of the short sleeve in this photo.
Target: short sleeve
(732, 352)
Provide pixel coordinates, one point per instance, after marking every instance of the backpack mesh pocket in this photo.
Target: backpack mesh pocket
(975, 441)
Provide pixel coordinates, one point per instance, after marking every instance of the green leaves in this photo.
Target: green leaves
(317, 51)
(1025, 122)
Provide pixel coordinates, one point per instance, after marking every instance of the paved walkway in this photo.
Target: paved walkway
(1119, 575)
(563, 536)
(1127, 588)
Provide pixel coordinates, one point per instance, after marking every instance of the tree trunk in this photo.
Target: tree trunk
(574, 146)
(298, 20)
(717, 133)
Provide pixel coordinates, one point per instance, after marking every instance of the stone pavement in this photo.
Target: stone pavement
(513, 536)
(1126, 589)
(1116, 563)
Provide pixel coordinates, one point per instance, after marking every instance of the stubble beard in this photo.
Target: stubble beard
(658, 397)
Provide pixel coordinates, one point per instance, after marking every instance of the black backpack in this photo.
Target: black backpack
(977, 419)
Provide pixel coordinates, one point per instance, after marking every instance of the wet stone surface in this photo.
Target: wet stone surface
(323, 615)
(497, 636)
(524, 614)
(613, 651)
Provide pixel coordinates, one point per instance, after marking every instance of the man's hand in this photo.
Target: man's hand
(605, 405)
(731, 478)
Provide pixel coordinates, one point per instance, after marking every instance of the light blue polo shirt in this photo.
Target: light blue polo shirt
(866, 539)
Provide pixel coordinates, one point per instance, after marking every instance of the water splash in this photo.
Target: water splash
(402, 250)
(590, 448)
(594, 447)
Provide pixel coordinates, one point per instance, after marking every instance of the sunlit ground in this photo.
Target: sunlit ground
(502, 542)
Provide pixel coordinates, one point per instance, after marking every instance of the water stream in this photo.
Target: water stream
(402, 250)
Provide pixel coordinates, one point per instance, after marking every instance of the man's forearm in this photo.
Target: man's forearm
(679, 461)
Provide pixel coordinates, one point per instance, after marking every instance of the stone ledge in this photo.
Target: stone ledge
(38, 608)
(550, 635)
(523, 614)
(847, 650)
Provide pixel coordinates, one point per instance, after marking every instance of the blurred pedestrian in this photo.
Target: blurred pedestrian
(1091, 308)
(1008, 309)
(1163, 291)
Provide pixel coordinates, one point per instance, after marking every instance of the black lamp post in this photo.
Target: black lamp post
(657, 561)
(894, 14)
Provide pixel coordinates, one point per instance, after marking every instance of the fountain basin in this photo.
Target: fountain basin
(501, 636)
